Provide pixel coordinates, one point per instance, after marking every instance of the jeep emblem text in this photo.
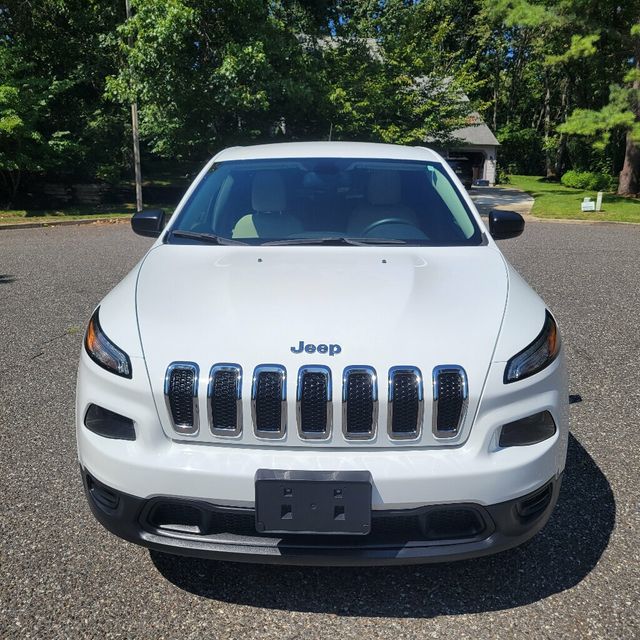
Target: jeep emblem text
(331, 349)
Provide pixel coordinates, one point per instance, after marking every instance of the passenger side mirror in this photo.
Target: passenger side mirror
(505, 224)
(148, 222)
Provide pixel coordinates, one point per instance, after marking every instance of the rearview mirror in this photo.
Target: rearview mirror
(148, 222)
(505, 224)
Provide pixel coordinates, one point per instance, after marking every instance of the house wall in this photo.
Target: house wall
(491, 157)
(490, 153)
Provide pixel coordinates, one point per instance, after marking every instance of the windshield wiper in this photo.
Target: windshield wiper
(204, 237)
(335, 240)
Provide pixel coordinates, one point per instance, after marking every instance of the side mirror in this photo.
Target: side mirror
(148, 222)
(505, 224)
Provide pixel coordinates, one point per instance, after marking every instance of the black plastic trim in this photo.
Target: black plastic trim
(506, 527)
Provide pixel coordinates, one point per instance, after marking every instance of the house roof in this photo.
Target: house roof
(476, 133)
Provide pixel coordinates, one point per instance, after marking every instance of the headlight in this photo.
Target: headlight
(103, 352)
(538, 355)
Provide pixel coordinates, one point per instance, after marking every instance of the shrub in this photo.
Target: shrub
(588, 180)
(502, 177)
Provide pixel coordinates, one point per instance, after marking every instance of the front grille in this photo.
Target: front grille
(268, 397)
(449, 400)
(314, 401)
(360, 398)
(181, 393)
(225, 394)
(405, 402)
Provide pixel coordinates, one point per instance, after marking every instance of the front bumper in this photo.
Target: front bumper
(436, 533)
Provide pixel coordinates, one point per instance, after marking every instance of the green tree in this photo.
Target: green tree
(622, 112)
(21, 144)
(212, 74)
(559, 58)
(54, 56)
(387, 81)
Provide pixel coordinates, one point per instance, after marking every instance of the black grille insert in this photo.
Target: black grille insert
(449, 400)
(314, 401)
(405, 402)
(427, 524)
(225, 384)
(269, 396)
(181, 391)
(359, 395)
(535, 503)
(106, 499)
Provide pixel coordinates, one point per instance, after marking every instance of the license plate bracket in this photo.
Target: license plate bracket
(313, 502)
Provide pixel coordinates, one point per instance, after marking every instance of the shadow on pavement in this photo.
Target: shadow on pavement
(6, 279)
(558, 558)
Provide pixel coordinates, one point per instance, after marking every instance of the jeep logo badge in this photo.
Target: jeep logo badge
(331, 349)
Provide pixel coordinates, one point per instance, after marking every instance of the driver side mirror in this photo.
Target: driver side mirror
(505, 224)
(148, 222)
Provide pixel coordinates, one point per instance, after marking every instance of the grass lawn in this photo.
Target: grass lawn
(553, 200)
(16, 216)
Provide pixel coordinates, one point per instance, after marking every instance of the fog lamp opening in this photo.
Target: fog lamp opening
(109, 424)
(529, 430)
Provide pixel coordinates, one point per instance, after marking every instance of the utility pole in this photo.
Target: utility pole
(136, 133)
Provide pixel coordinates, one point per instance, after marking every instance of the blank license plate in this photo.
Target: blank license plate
(327, 502)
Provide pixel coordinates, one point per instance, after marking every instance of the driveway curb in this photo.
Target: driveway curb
(62, 223)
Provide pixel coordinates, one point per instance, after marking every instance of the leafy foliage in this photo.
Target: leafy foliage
(558, 80)
(588, 180)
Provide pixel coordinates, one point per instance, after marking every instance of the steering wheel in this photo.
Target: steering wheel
(378, 223)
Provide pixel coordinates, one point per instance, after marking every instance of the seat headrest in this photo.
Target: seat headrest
(384, 187)
(268, 192)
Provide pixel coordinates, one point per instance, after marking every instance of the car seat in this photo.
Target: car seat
(269, 218)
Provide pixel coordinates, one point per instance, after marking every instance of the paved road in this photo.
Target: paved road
(487, 198)
(62, 576)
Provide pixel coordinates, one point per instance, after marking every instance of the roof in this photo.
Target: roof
(477, 133)
(328, 150)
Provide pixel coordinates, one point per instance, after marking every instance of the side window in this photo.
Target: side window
(446, 191)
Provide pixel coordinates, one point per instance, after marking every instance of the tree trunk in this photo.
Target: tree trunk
(548, 155)
(561, 153)
(495, 107)
(629, 183)
(13, 182)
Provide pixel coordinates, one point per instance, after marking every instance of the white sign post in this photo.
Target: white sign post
(599, 201)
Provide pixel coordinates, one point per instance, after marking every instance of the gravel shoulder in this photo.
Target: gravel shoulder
(63, 576)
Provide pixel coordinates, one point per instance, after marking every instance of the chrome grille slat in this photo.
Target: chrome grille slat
(313, 402)
(405, 413)
(181, 396)
(269, 401)
(450, 400)
(224, 399)
(359, 402)
(314, 406)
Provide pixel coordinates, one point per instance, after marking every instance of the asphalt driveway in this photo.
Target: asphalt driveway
(63, 576)
(487, 198)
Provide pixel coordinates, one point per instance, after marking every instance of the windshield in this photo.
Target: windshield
(326, 201)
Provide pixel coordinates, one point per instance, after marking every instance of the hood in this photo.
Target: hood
(376, 306)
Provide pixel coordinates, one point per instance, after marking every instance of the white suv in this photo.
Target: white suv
(323, 359)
